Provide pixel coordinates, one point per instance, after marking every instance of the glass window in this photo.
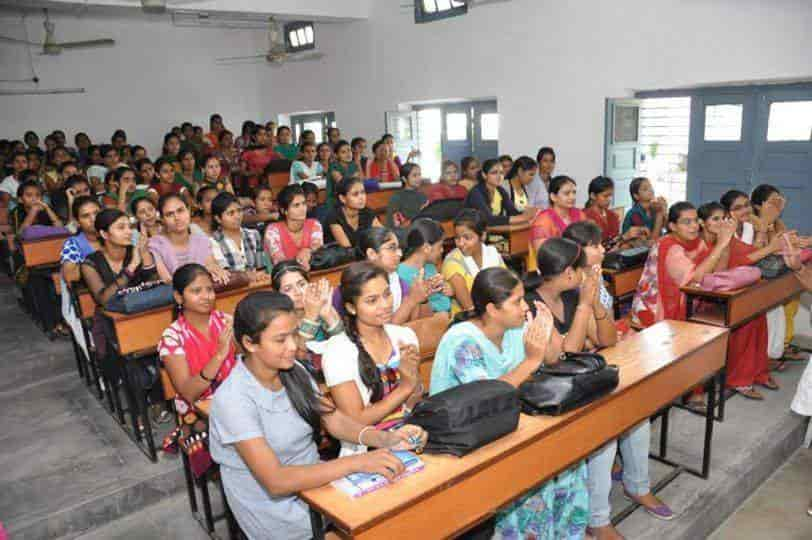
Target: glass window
(315, 127)
(456, 126)
(626, 120)
(723, 122)
(432, 10)
(489, 126)
(294, 39)
(790, 121)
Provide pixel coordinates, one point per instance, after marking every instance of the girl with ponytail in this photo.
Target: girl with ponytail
(371, 368)
(266, 418)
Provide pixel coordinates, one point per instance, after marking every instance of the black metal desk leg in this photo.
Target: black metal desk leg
(706, 453)
(664, 432)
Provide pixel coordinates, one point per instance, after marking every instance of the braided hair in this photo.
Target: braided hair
(353, 280)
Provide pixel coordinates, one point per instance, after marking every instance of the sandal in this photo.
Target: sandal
(770, 384)
(794, 354)
(778, 365)
(697, 405)
(749, 392)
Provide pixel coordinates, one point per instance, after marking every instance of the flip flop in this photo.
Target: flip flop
(770, 384)
(778, 365)
(749, 392)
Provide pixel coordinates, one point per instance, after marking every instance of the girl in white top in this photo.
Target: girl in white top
(371, 368)
(306, 169)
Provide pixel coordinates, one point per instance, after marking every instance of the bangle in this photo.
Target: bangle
(203, 376)
(605, 314)
(361, 433)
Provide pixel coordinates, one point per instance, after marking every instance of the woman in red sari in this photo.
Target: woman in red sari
(747, 360)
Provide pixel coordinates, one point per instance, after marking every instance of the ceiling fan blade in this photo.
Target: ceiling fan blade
(15, 40)
(87, 43)
(239, 58)
(293, 57)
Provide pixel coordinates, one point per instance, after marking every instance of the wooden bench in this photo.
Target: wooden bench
(43, 252)
(621, 284)
(447, 498)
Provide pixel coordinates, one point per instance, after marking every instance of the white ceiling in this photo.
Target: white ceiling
(316, 10)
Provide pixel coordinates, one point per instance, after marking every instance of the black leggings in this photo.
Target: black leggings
(42, 294)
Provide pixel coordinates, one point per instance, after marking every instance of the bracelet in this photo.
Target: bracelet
(203, 376)
(309, 328)
(361, 433)
(605, 315)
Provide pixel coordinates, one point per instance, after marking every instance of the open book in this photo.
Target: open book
(358, 484)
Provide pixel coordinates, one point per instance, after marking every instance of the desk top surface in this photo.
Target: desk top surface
(787, 279)
(639, 357)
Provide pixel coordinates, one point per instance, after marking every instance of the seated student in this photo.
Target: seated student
(296, 236)
(202, 221)
(246, 137)
(347, 219)
(257, 156)
(35, 163)
(176, 245)
(266, 419)
(341, 171)
(562, 212)
(507, 163)
(314, 209)
(117, 265)
(189, 176)
(62, 201)
(754, 230)
(424, 252)
(762, 197)
(648, 212)
(284, 146)
(470, 172)
(306, 169)
(146, 172)
(371, 368)
(324, 155)
(198, 352)
(517, 178)
(167, 182)
(235, 248)
(121, 189)
(492, 201)
(139, 153)
(471, 255)
(589, 236)
(405, 204)
(359, 149)
(747, 361)
(8, 187)
(598, 209)
(448, 186)
(96, 171)
(264, 210)
(145, 212)
(313, 304)
(538, 188)
(380, 167)
(228, 155)
(499, 339)
(213, 177)
(31, 210)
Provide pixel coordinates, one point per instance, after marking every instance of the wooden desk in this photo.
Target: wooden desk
(139, 333)
(518, 237)
(446, 498)
(44, 252)
(333, 275)
(732, 309)
(621, 284)
(378, 200)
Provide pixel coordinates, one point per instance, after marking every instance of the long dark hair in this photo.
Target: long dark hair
(344, 187)
(353, 280)
(706, 210)
(286, 267)
(373, 238)
(760, 195)
(522, 163)
(181, 279)
(483, 171)
(634, 187)
(598, 185)
(423, 231)
(253, 315)
(491, 286)
(584, 233)
(473, 219)
(553, 257)
(220, 204)
(677, 209)
(105, 219)
(730, 197)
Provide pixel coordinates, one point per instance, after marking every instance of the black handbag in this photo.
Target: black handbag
(149, 295)
(577, 379)
(626, 258)
(441, 210)
(461, 419)
(332, 255)
(772, 266)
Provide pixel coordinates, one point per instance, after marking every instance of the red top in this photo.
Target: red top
(441, 190)
(388, 173)
(257, 159)
(609, 224)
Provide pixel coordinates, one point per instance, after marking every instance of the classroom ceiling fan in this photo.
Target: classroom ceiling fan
(52, 47)
(293, 43)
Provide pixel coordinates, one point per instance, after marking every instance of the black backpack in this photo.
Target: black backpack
(461, 419)
(626, 258)
(442, 210)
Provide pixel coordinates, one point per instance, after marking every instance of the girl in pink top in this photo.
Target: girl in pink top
(296, 236)
(562, 212)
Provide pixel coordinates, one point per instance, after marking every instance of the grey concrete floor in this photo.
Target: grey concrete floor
(777, 509)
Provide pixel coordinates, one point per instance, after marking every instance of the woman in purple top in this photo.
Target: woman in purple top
(177, 246)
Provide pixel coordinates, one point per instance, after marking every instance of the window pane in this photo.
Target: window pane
(429, 6)
(456, 126)
(790, 121)
(309, 34)
(723, 122)
(489, 127)
(293, 39)
(302, 37)
(443, 5)
(625, 126)
(316, 127)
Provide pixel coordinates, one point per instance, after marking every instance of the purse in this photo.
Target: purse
(332, 255)
(772, 266)
(236, 280)
(461, 419)
(730, 280)
(146, 296)
(626, 258)
(576, 380)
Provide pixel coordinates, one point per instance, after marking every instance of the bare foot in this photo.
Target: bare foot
(606, 533)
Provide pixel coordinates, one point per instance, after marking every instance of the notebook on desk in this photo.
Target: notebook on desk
(358, 484)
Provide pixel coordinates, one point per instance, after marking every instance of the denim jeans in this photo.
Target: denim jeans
(634, 448)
